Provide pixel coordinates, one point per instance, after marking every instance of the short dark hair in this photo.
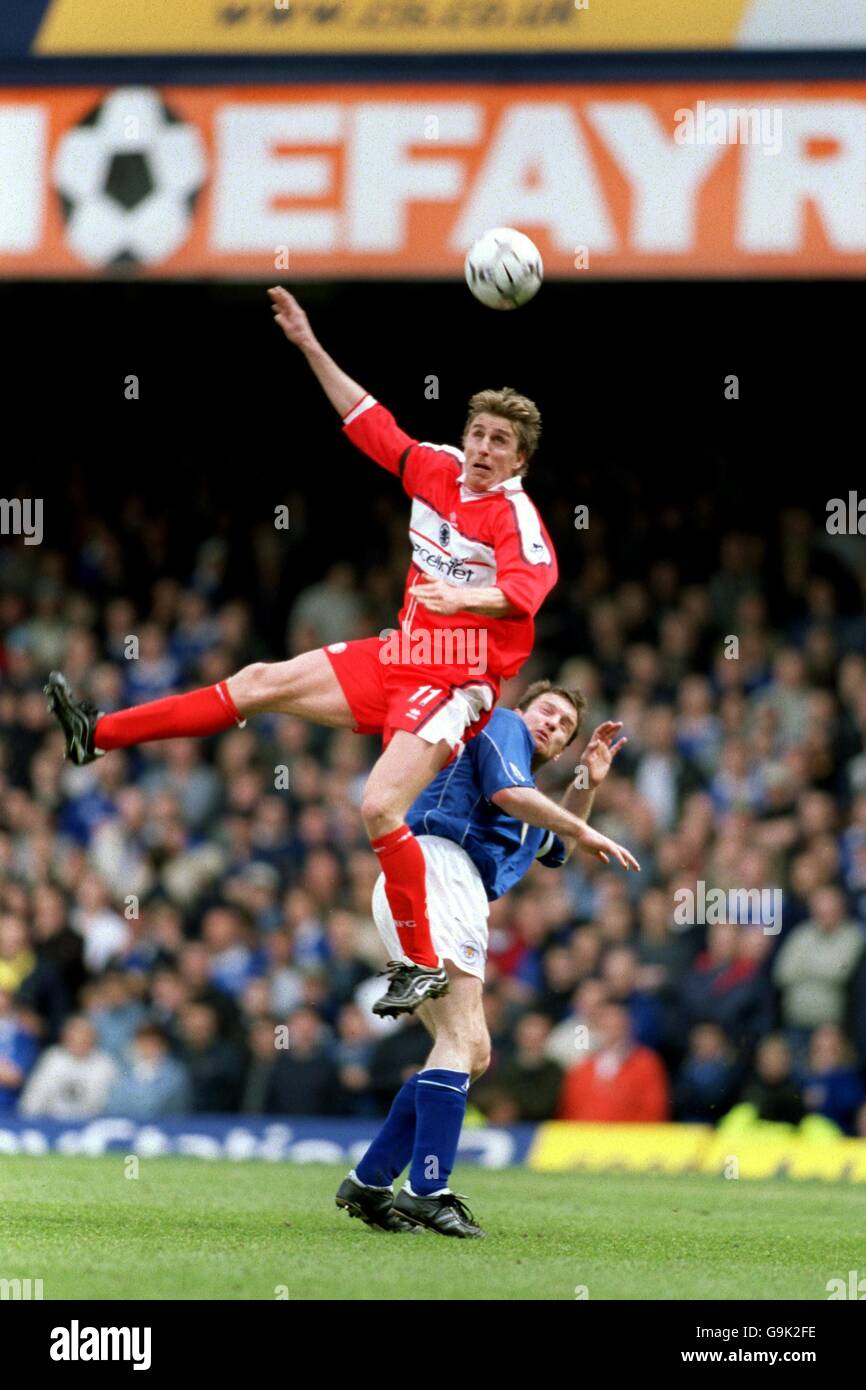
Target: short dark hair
(575, 697)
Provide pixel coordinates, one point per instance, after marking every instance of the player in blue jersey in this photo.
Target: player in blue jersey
(481, 824)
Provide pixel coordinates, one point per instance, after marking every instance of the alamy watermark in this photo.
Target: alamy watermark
(77, 1343)
(22, 516)
(21, 1289)
(730, 125)
(441, 646)
(704, 906)
(854, 1288)
(846, 516)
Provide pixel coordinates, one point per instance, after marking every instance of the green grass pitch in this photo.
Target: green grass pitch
(188, 1228)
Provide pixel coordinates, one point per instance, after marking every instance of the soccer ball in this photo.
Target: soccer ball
(503, 269)
(128, 175)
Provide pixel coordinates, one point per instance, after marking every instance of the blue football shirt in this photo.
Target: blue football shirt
(457, 805)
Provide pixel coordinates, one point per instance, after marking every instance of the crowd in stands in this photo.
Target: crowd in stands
(185, 927)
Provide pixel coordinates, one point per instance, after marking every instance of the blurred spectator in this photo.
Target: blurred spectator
(169, 995)
(19, 1049)
(33, 979)
(115, 1012)
(104, 932)
(531, 1078)
(71, 1081)
(787, 696)
(816, 964)
(345, 968)
(17, 957)
(663, 776)
(579, 1033)
(285, 982)
(738, 782)
(353, 1051)
(151, 1083)
(232, 960)
(725, 985)
(121, 844)
(325, 612)
(215, 1066)
(620, 977)
(304, 1079)
(182, 772)
(622, 1082)
(195, 971)
(832, 1085)
(706, 1081)
(772, 1089)
(559, 976)
(262, 1041)
(154, 672)
(55, 941)
(698, 729)
(397, 1055)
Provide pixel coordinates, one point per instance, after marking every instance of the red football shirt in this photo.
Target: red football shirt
(469, 539)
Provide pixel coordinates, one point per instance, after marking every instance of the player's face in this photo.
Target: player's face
(551, 720)
(490, 446)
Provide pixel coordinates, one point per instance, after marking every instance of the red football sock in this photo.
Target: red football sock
(405, 871)
(209, 710)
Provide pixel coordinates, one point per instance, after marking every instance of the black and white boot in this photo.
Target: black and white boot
(445, 1213)
(409, 986)
(373, 1205)
(77, 719)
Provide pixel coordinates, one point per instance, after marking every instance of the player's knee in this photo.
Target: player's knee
(379, 811)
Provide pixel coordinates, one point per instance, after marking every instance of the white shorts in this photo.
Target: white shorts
(457, 907)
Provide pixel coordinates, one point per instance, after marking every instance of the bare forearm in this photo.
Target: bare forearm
(489, 601)
(337, 385)
(532, 806)
(578, 800)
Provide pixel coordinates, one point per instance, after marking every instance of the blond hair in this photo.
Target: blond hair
(522, 413)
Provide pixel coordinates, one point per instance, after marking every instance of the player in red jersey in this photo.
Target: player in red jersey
(482, 564)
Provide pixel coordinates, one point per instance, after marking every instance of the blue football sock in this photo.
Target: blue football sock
(391, 1150)
(440, 1106)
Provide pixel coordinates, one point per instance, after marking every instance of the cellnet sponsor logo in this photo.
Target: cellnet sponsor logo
(450, 566)
(76, 1343)
(702, 906)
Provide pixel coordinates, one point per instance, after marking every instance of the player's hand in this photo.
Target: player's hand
(592, 842)
(601, 750)
(437, 596)
(291, 318)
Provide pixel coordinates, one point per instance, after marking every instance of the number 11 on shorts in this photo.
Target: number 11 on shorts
(416, 698)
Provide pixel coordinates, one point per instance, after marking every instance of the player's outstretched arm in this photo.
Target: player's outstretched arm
(532, 806)
(340, 389)
(598, 755)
